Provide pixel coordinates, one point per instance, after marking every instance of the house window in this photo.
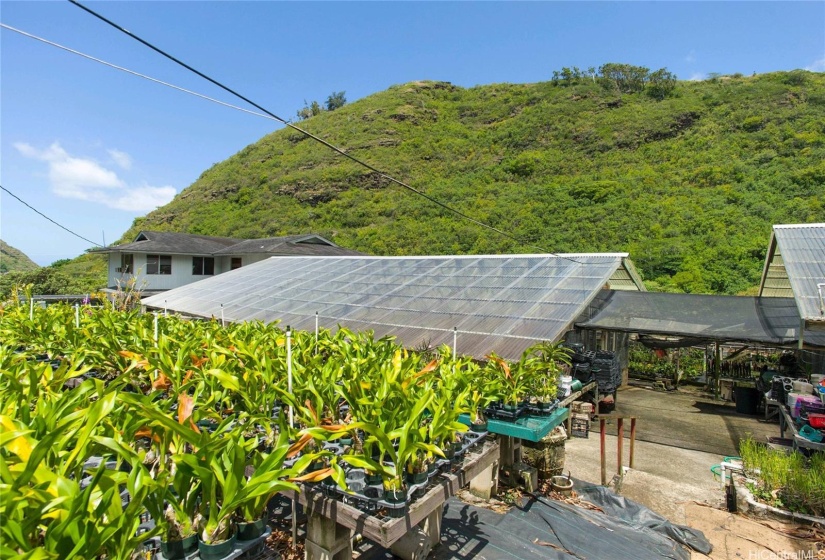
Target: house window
(158, 264)
(127, 263)
(203, 266)
(235, 263)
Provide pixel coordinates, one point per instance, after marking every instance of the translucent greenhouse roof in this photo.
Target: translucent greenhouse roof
(795, 267)
(767, 320)
(501, 303)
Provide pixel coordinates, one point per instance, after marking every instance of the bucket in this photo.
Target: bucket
(802, 387)
(562, 484)
(576, 385)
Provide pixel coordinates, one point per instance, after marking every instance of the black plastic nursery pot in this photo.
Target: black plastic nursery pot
(395, 496)
(216, 551)
(249, 531)
(416, 478)
(177, 550)
(371, 479)
(478, 428)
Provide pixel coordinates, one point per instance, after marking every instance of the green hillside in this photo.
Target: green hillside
(12, 259)
(689, 185)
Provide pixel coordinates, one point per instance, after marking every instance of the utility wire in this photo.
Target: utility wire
(309, 134)
(138, 74)
(45, 216)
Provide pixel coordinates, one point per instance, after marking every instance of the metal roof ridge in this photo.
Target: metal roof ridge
(502, 256)
(798, 226)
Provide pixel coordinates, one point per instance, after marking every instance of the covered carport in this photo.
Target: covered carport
(682, 320)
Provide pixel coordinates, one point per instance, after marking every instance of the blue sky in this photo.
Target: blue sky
(93, 147)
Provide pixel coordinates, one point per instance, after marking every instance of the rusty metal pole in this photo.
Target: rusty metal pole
(620, 444)
(632, 439)
(603, 457)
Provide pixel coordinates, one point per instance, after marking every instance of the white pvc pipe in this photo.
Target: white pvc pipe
(223, 323)
(732, 467)
(31, 309)
(156, 328)
(455, 342)
(77, 315)
(165, 308)
(316, 332)
(289, 373)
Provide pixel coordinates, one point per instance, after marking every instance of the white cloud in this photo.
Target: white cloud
(691, 57)
(123, 159)
(817, 66)
(85, 179)
(696, 77)
(145, 198)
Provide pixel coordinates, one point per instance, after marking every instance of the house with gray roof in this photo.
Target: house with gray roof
(161, 261)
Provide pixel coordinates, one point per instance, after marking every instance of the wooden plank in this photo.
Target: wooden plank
(386, 531)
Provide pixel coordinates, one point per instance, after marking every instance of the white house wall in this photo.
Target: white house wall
(181, 273)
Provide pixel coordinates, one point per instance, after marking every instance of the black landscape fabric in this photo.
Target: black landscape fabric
(545, 528)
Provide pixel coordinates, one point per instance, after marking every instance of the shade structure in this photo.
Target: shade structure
(499, 303)
(698, 318)
(795, 267)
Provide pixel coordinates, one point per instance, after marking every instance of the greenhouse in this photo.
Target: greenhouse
(483, 304)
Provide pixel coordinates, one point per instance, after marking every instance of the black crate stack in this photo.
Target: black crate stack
(604, 366)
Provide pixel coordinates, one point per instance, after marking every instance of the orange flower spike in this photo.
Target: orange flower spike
(314, 476)
(296, 447)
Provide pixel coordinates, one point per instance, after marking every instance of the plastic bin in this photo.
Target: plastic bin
(747, 400)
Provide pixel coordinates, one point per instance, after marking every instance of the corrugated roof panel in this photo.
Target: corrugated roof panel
(500, 303)
(802, 249)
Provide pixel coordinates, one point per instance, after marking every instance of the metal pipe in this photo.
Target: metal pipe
(602, 452)
(619, 446)
(632, 439)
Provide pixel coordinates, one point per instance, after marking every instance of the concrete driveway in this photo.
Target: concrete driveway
(689, 419)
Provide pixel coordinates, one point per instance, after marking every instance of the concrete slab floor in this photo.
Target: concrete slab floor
(688, 418)
(680, 435)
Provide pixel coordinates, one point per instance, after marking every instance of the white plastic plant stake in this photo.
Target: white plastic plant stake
(316, 332)
(31, 309)
(156, 328)
(455, 342)
(291, 425)
(77, 315)
(223, 323)
(289, 372)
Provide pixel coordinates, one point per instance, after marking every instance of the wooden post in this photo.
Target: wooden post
(603, 458)
(632, 439)
(620, 445)
(717, 367)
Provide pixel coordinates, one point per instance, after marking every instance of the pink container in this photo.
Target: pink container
(798, 406)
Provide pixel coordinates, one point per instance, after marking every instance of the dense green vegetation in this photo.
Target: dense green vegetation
(176, 410)
(82, 275)
(689, 185)
(791, 482)
(12, 259)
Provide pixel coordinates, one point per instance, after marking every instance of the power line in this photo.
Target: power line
(310, 135)
(138, 74)
(45, 216)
